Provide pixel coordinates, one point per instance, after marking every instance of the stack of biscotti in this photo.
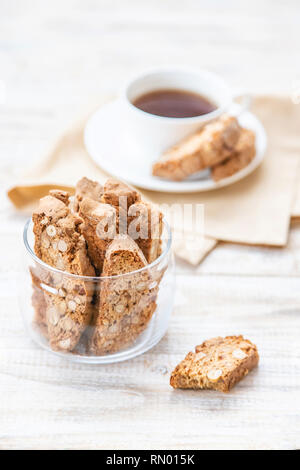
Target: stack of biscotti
(124, 305)
(222, 145)
(104, 232)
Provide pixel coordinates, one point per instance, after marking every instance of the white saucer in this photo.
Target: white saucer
(111, 147)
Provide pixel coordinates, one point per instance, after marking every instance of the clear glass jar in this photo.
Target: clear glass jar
(97, 319)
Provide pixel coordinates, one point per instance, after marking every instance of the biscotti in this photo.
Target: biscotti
(216, 364)
(60, 243)
(94, 294)
(207, 147)
(99, 229)
(38, 301)
(141, 220)
(62, 196)
(119, 194)
(145, 228)
(243, 154)
(125, 303)
(87, 188)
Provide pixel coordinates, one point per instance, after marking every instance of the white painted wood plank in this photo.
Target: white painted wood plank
(38, 390)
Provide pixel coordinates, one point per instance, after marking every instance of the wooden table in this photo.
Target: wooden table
(55, 57)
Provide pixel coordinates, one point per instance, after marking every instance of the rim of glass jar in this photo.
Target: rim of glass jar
(95, 278)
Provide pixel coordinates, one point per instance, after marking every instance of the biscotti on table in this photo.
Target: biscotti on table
(95, 241)
(216, 364)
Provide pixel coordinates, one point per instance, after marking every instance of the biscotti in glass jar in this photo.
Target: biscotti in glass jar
(98, 281)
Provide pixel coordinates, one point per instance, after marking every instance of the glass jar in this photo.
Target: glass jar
(97, 319)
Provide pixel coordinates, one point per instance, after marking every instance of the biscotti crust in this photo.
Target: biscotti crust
(216, 364)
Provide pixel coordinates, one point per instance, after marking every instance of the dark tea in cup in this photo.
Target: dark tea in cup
(174, 103)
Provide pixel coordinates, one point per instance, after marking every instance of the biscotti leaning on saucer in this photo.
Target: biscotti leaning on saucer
(242, 155)
(213, 144)
(101, 232)
(216, 364)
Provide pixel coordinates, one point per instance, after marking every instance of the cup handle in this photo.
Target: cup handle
(245, 101)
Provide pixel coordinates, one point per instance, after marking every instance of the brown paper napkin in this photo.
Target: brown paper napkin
(255, 210)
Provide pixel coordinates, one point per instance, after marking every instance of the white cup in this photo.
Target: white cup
(153, 134)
